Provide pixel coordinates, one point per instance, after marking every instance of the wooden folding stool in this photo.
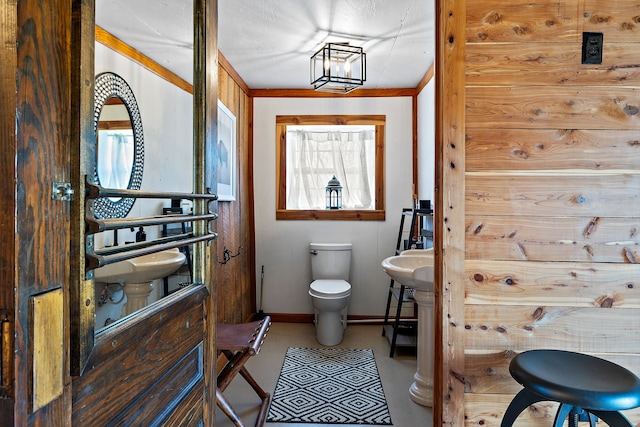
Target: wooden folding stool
(239, 342)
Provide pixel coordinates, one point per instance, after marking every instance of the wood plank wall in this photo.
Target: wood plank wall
(552, 188)
(236, 279)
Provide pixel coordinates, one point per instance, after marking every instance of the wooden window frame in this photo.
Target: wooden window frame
(282, 213)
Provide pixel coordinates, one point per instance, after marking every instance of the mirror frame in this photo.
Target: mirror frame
(110, 85)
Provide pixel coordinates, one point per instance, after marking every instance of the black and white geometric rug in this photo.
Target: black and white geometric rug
(329, 386)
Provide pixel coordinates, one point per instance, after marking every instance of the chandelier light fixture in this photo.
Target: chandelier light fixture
(338, 68)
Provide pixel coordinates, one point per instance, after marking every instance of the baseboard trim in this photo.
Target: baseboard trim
(308, 318)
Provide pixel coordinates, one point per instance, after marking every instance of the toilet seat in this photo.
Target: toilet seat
(327, 288)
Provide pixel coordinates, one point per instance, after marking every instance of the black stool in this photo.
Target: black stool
(586, 387)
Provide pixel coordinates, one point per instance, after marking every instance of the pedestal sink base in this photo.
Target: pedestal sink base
(414, 268)
(421, 391)
(137, 296)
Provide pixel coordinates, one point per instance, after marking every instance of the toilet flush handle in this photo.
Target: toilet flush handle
(313, 252)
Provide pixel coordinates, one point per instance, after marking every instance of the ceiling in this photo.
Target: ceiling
(269, 42)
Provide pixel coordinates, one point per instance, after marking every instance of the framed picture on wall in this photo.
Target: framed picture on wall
(226, 148)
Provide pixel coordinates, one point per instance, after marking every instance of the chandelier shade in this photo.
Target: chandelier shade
(338, 68)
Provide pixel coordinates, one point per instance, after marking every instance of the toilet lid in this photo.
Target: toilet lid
(330, 288)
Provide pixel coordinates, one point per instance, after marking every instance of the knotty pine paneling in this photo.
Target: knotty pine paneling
(555, 107)
(552, 178)
(448, 393)
(522, 21)
(236, 278)
(575, 284)
(528, 238)
(553, 194)
(551, 149)
(544, 64)
(547, 21)
(583, 329)
(619, 19)
(485, 410)
(488, 372)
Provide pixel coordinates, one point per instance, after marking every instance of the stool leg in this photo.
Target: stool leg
(613, 419)
(563, 412)
(223, 404)
(520, 402)
(264, 396)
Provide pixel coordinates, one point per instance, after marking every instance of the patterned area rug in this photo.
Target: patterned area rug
(329, 386)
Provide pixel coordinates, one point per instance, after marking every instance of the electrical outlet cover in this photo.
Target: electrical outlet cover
(592, 48)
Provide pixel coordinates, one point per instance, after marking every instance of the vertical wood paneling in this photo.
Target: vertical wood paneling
(552, 167)
(82, 164)
(449, 215)
(8, 62)
(236, 278)
(8, 43)
(205, 115)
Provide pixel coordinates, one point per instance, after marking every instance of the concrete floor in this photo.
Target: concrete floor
(396, 373)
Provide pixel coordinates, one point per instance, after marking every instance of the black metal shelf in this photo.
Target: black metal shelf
(403, 332)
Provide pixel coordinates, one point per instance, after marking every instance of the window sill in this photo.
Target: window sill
(337, 215)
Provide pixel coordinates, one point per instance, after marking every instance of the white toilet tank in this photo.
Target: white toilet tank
(330, 260)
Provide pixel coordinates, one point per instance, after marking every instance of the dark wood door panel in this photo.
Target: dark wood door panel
(143, 368)
(160, 400)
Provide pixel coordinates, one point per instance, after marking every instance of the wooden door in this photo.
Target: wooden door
(150, 370)
(34, 227)
(157, 368)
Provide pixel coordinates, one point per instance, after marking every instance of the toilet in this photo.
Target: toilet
(330, 290)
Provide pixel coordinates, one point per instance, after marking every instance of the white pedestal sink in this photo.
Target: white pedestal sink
(138, 274)
(414, 269)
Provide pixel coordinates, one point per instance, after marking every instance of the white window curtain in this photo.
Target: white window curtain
(315, 156)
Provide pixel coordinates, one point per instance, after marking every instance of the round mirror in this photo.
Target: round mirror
(119, 144)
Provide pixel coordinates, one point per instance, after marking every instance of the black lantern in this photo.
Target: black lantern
(334, 194)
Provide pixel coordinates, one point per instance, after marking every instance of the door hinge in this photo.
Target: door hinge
(62, 191)
(6, 332)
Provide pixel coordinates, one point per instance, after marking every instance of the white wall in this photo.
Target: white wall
(426, 141)
(282, 247)
(167, 122)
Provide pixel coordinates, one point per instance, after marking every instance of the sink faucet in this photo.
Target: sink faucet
(141, 236)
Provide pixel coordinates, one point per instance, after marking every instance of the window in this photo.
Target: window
(311, 149)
